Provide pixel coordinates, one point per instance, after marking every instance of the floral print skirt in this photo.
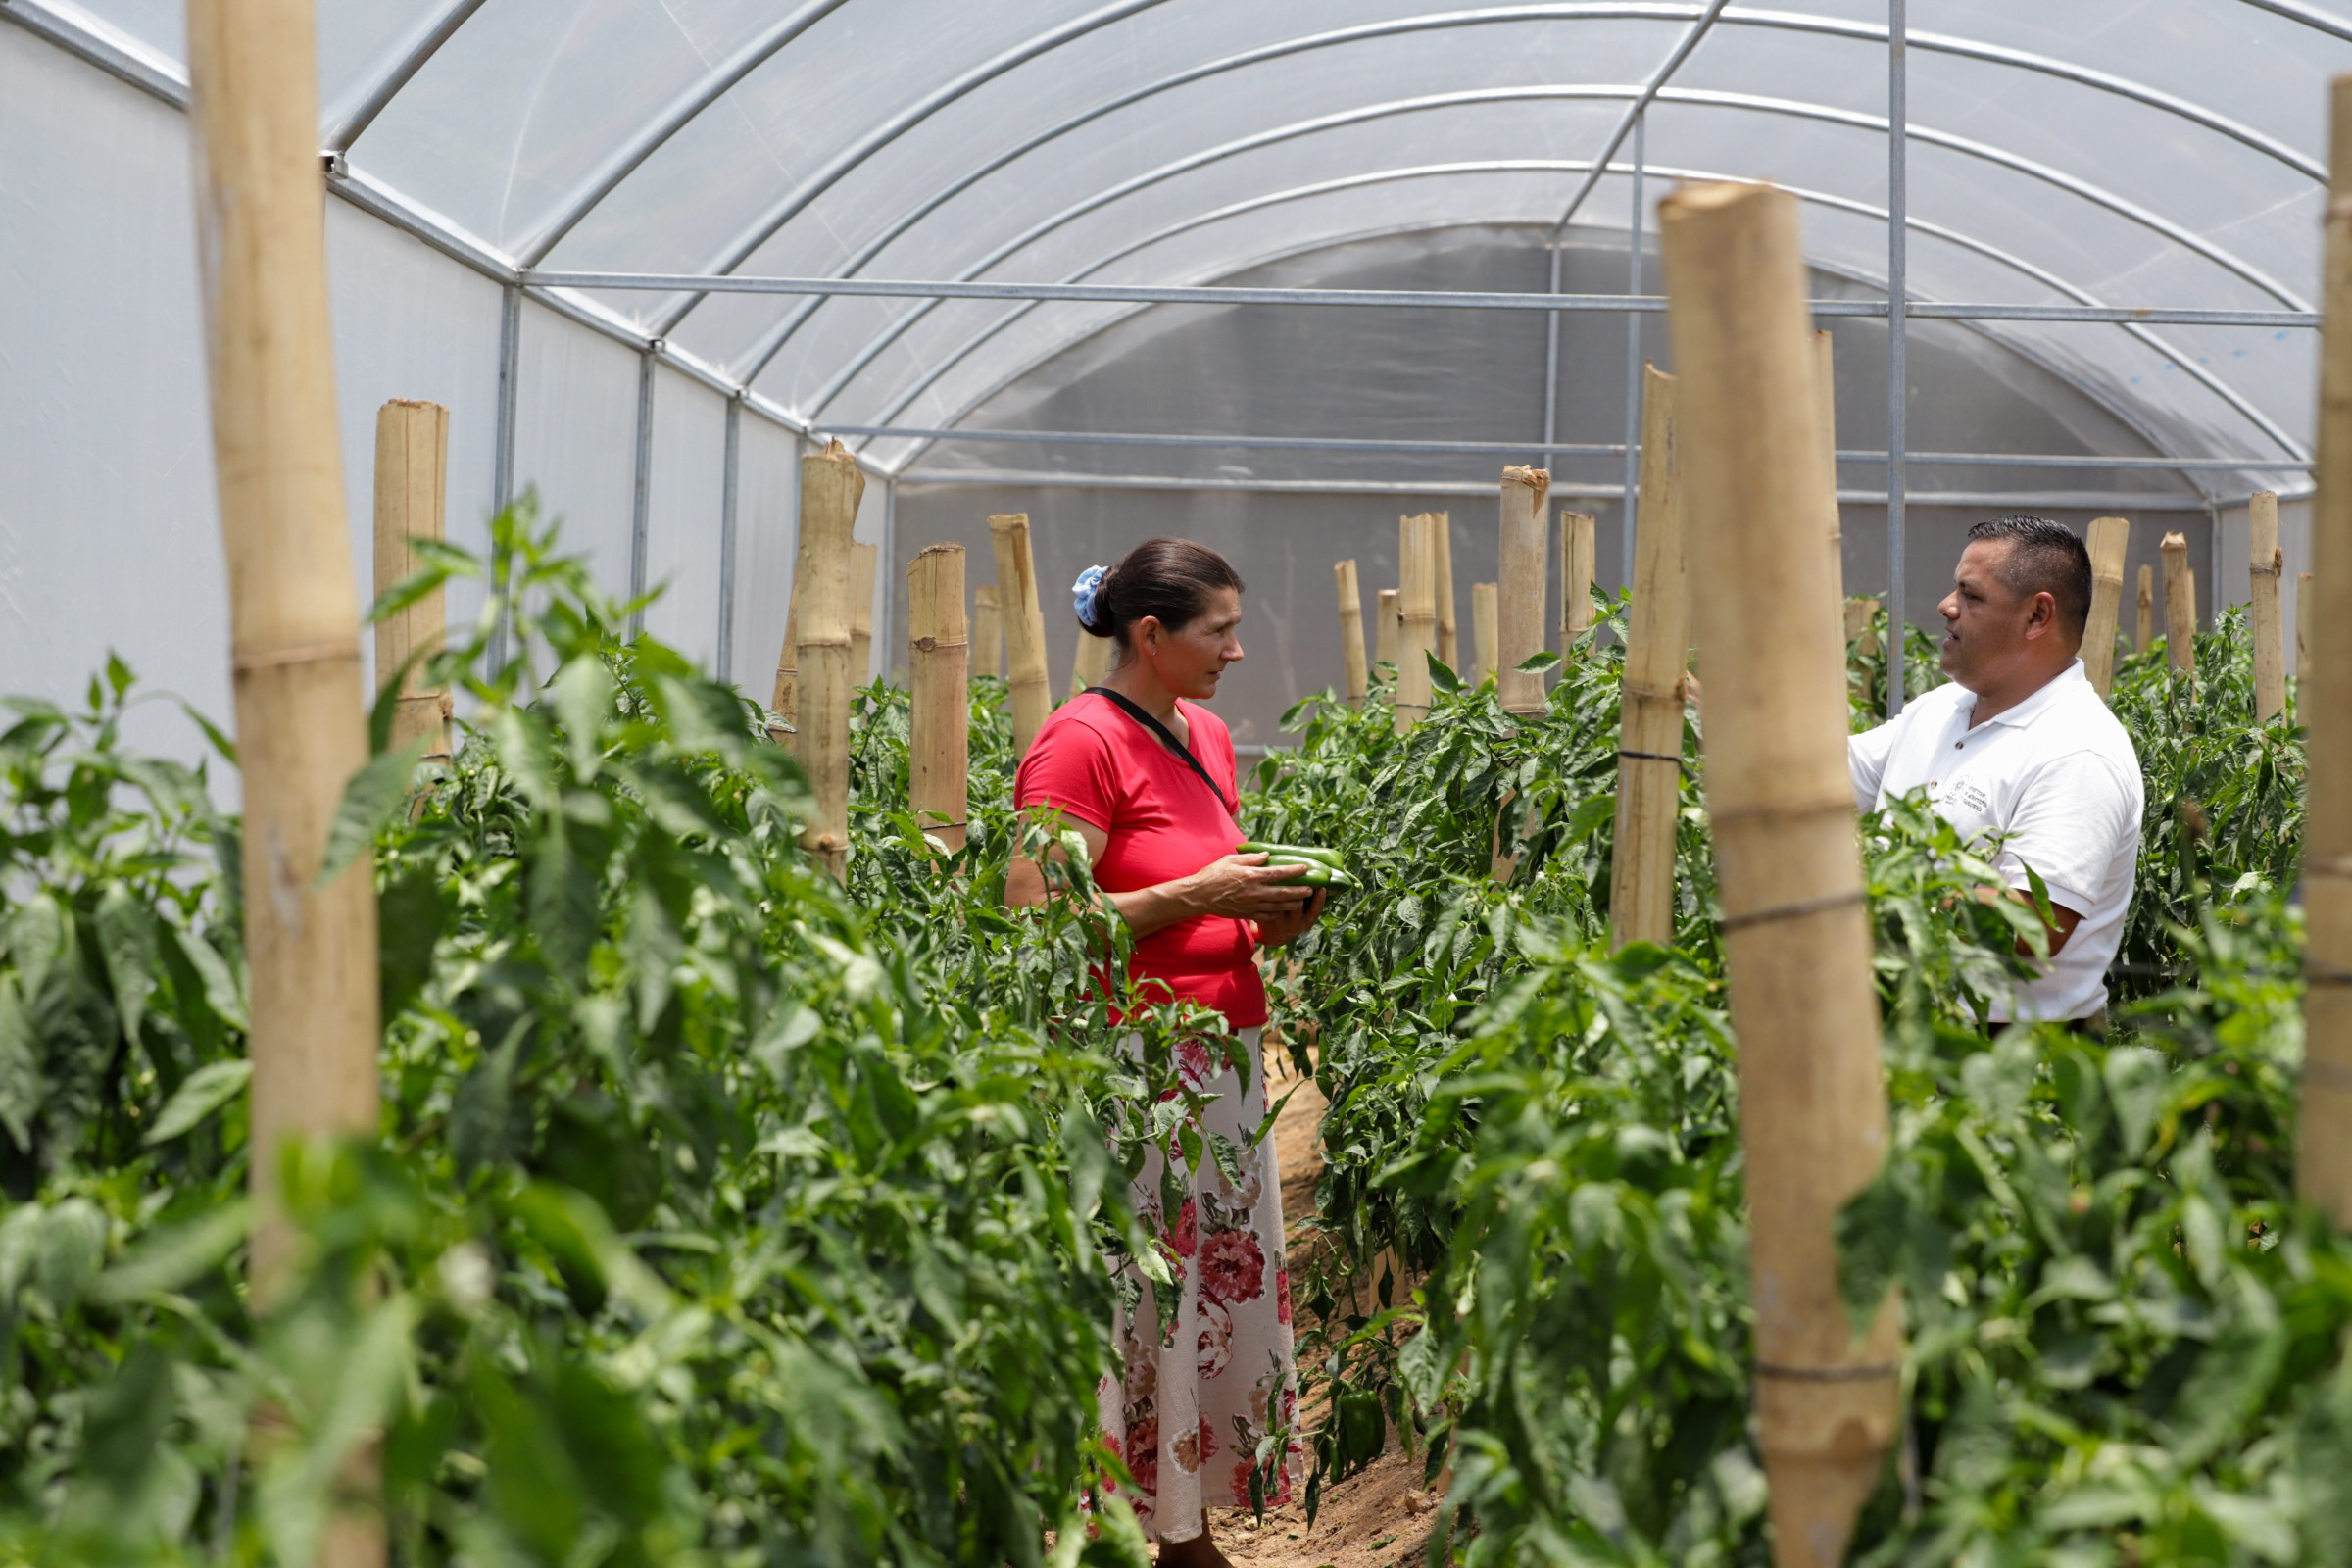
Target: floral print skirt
(1195, 1404)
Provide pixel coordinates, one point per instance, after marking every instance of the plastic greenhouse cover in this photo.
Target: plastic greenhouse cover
(2116, 152)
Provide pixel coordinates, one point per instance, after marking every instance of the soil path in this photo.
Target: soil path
(1378, 1518)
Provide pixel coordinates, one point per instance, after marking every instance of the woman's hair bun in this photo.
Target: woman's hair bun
(1086, 600)
(1170, 579)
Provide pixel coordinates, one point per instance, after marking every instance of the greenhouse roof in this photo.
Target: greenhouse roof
(784, 198)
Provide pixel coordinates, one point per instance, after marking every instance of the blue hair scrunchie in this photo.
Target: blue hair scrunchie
(1084, 592)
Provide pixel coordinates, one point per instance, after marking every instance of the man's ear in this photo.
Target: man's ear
(2042, 617)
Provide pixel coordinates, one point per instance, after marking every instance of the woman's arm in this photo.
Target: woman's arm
(1242, 886)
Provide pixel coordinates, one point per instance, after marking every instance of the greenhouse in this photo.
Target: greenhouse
(594, 970)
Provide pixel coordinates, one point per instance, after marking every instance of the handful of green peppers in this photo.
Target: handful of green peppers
(1317, 868)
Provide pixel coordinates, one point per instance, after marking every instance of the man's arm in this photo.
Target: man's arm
(2059, 926)
(2075, 817)
(1866, 757)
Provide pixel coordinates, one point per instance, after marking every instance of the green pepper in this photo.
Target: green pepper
(1330, 858)
(1314, 873)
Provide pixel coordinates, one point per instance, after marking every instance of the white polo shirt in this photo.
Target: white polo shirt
(2056, 779)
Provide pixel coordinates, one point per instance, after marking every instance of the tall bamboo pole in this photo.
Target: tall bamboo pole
(2180, 606)
(411, 490)
(2324, 1156)
(1813, 1119)
(1417, 620)
(1519, 628)
(1449, 640)
(293, 614)
(1825, 413)
(2264, 567)
(939, 694)
(1650, 743)
(2143, 629)
(862, 563)
(2305, 604)
(831, 486)
(988, 632)
(1485, 631)
(1578, 558)
(1024, 628)
(2110, 537)
(294, 645)
(1352, 631)
(1386, 625)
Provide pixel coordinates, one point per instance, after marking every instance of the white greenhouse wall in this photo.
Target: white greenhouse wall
(108, 524)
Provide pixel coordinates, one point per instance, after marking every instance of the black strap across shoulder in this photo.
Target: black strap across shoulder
(1136, 711)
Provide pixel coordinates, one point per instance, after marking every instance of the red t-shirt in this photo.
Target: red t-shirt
(1093, 761)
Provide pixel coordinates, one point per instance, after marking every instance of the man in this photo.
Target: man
(2019, 748)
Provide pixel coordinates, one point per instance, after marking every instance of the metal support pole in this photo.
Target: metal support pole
(502, 454)
(641, 510)
(1552, 363)
(887, 579)
(1632, 351)
(1898, 199)
(730, 470)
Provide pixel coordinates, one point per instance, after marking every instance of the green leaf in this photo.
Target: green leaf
(205, 1091)
(126, 945)
(23, 1088)
(1875, 1235)
(376, 795)
(172, 1260)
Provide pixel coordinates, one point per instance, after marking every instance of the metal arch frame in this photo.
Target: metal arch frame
(2144, 335)
(2126, 415)
(1840, 203)
(1481, 97)
(763, 350)
(623, 161)
(1681, 51)
(423, 44)
(584, 197)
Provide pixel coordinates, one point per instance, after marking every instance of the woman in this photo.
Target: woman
(1147, 779)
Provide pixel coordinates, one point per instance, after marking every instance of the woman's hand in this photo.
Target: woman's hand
(1281, 929)
(1245, 888)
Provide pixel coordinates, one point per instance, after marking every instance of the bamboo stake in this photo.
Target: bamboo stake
(293, 612)
(939, 694)
(2109, 538)
(1578, 554)
(1417, 614)
(1386, 625)
(294, 618)
(1090, 664)
(1484, 628)
(1352, 631)
(2306, 603)
(1825, 413)
(1813, 1119)
(2179, 606)
(1862, 639)
(2324, 1156)
(861, 613)
(785, 703)
(1519, 617)
(2144, 628)
(831, 485)
(1449, 642)
(412, 466)
(988, 632)
(1024, 628)
(2265, 569)
(1650, 747)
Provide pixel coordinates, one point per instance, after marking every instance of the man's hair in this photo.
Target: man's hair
(2043, 556)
